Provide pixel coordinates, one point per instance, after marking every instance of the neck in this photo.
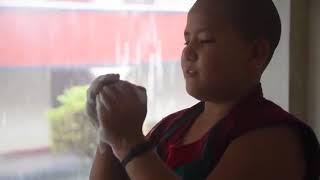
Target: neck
(217, 110)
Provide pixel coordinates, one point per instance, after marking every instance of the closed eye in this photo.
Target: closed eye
(207, 41)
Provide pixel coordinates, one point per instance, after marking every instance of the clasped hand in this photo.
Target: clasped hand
(118, 108)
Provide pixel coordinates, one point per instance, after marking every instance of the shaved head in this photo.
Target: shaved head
(228, 45)
(254, 19)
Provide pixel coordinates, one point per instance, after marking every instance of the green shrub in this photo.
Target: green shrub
(71, 130)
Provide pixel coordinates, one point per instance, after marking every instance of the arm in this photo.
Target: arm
(107, 166)
(122, 108)
(271, 153)
(147, 166)
(264, 154)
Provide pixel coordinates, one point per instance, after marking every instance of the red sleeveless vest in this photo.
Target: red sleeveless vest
(198, 159)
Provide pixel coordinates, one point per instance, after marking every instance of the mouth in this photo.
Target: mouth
(190, 72)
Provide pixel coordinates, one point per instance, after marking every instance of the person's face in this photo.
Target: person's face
(216, 58)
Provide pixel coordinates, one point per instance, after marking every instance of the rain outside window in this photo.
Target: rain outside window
(50, 51)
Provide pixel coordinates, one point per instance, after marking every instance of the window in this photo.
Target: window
(50, 50)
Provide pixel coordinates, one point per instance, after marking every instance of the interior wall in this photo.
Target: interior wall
(314, 66)
(299, 58)
(305, 62)
(275, 80)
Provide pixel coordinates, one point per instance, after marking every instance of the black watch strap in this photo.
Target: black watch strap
(137, 151)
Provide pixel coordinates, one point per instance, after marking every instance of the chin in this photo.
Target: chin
(203, 94)
(196, 93)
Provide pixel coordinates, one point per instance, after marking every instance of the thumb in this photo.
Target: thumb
(103, 110)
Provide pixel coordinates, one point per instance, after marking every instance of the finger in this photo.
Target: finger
(103, 80)
(98, 83)
(91, 92)
(93, 86)
(91, 112)
(102, 147)
(132, 89)
(109, 95)
(141, 88)
(138, 91)
(102, 135)
(126, 87)
(106, 104)
(98, 107)
(118, 89)
(90, 98)
(141, 93)
(131, 84)
(99, 111)
(106, 81)
(102, 111)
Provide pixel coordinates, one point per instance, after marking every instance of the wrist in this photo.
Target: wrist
(104, 148)
(137, 151)
(122, 149)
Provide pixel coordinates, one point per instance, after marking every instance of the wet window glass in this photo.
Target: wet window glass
(50, 51)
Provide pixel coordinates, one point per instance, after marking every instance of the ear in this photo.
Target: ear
(260, 53)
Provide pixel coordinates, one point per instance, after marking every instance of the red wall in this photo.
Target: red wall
(43, 37)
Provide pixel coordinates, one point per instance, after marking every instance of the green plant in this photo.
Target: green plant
(71, 130)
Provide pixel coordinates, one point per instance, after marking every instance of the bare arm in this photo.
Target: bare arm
(149, 167)
(107, 167)
(270, 153)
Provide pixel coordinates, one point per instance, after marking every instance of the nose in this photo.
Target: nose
(189, 54)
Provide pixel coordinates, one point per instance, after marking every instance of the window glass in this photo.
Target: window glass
(50, 50)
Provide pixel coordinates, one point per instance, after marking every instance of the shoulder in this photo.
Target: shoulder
(268, 140)
(163, 124)
(166, 122)
(265, 153)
